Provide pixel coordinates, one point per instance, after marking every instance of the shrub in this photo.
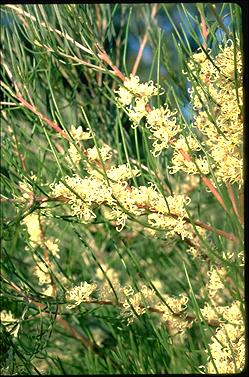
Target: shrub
(122, 189)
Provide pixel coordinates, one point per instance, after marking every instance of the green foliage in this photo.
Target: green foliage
(55, 76)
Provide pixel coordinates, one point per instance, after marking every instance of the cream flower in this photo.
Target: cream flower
(80, 294)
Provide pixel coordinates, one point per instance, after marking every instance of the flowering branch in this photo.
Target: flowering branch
(104, 56)
(40, 199)
(120, 304)
(66, 325)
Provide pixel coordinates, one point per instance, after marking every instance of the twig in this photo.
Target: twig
(18, 10)
(105, 58)
(143, 43)
(120, 304)
(213, 190)
(232, 198)
(43, 117)
(203, 26)
(229, 236)
(204, 30)
(66, 325)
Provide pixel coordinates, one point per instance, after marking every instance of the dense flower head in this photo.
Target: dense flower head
(80, 293)
(138, 111)
(217, 99)
(138, 89)
(122, 172)
(73, 156)
(216, 279)
(161, 121)
(125, 97)
(163, 127)
(42, 271)
(228, 344)
(112, 190)
(78, 134)
(37, 238)
(83, 194)
(171, 309)
(104, 152)
(33, 225)
(180, 163)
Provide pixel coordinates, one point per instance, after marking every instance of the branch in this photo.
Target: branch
(229, 236)
(66, 325)
(105, 58)
(42, 117)
(120, 304)
(233, 201)
(143, 43)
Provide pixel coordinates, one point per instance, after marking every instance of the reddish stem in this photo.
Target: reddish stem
(204, 30)
(232, 198)
(43, 117)
(143, 43)
(206, 181)
(211, 187)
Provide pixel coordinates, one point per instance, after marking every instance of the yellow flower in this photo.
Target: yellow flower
(80, 293)
(105, 153)
(78, 133)
(125, 97)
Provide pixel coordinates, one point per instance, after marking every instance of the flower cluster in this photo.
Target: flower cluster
(79, 294)
(133, 88)
(85, 194)
(10, 322)
(132, 303)
(163, 126)
(217, 99)
(34, 225)
(227, 345)
(216, 281)
(43, 268)
(78, 134)
(94, 154)
(199, 165)
(135, 96)
(172, 308)
(161, 122)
